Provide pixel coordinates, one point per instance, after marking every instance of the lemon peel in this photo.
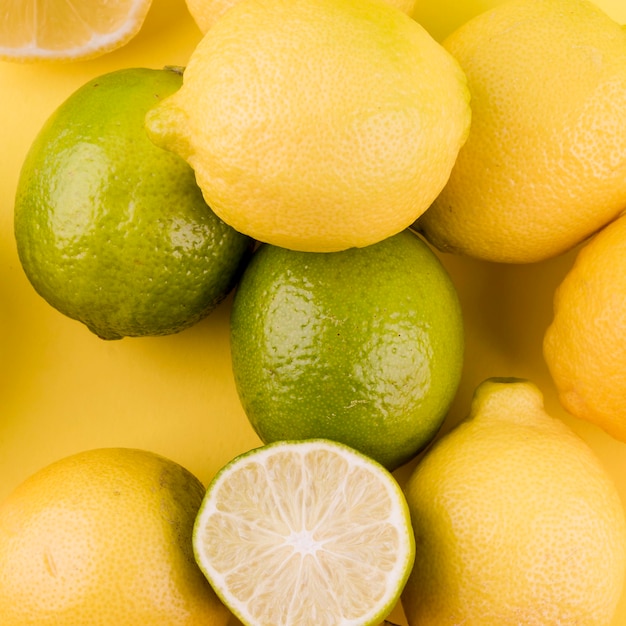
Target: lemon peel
(317, 125)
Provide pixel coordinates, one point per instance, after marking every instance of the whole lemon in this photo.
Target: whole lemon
(104, 536)
(317, 125)
(113, 231)
(544, 165)
(516, 521)
(362, 346)
(585, 344)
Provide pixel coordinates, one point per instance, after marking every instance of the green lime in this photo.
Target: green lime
(362, 346)
(113, 231)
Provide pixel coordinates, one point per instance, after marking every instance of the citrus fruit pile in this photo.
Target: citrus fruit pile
(315, 191)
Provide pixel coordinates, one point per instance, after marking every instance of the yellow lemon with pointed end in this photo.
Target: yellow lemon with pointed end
(544, 165)
(113, 231)
(67, 30)
(305, 532)
(317, 125)
(362, 346)
(585, 344)
(104, 537)
(516, 521)
(206, 12)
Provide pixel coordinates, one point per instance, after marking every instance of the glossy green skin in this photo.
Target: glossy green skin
(363, 346)
(113, 231)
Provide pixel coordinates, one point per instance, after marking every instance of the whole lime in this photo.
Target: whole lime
(113, 231)
(362, 346)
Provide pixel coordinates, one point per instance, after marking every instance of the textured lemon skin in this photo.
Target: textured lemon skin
(104, 537)
(516, 521)
(585, 344)
(544, 165)
(363, 346)
(113, 231)
(317, 125)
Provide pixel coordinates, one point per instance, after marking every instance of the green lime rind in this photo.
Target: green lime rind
(363, 346)
(113, 231)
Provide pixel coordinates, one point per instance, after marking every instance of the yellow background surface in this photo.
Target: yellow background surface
(63, 390)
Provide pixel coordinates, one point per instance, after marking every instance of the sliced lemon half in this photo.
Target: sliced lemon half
(48, 30)
(305, 532)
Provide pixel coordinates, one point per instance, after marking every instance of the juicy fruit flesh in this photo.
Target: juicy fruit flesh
(36, 30)
(363, 346)
(305, 533)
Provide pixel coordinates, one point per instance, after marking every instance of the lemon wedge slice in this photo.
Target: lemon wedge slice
(47, 30)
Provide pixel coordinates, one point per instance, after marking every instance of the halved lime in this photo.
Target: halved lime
(305, 532)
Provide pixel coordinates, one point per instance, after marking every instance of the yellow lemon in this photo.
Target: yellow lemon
(31, 30)
(317, 125)
(305, 532)
(585, 345)
(206, 12)
(104, 537)
(516, 521)
(544, 165)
